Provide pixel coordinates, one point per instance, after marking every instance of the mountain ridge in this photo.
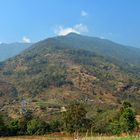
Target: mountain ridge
(56, 71)
(8, 50)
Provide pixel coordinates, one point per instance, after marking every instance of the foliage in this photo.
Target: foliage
(75, 117)
(26, 117)
(14, 127)
(114, 127)
(126, 121)
(55, 126)
(35, 127)
(103, 122)
(127, 118)
(127, 138)
(67, 68)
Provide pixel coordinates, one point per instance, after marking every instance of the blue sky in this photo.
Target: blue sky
(34, 20)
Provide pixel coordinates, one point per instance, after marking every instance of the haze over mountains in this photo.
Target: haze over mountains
(58, 70)
(10, 50)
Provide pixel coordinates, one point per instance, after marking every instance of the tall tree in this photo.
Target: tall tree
(127, 118)
(75, 117)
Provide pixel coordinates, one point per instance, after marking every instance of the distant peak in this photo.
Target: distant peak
(73, 34)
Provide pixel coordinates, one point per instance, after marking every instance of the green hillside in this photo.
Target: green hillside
(128, 58)
(58, 70)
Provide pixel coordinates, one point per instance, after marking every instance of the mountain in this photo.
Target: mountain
(128, 58)
(10, 50)
(102, 47)
(53, 72)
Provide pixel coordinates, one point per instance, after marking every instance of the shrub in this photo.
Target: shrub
(35, 127)
(75, 117)
(14, 127)
(114, 128)
(55, 126)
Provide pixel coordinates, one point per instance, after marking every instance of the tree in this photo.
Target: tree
(55, 126)
(114, 127)
(125, 122)
(26, 117)
(14, 127)
(75, 117)
(36, 127)
(127, 118)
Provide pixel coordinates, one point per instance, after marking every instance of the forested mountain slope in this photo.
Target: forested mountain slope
(58, 70)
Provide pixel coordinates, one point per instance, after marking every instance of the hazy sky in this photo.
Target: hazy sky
(33, 20)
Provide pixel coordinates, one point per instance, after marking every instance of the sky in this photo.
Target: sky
(34, 20)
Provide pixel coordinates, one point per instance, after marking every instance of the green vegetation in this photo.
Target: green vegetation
(69, 138)
(65, 69)
(37, 86)
(126, 121)
(35, 127)
(14, 127)
(73, 120)
(128, 138)
(111, 138)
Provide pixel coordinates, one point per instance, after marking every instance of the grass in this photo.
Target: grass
(99, 138)
(68, 138)
(35, 138)
(111, 138)
(128, 138)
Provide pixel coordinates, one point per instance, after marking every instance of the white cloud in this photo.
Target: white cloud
(84, 13)
(78, 28)
(81, 28)
(60, 30)
(26, 40)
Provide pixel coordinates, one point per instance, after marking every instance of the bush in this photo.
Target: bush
(114, 128)
(55, 126)
(127, 120)
(14, 127)
(36, 127)
(75, 118)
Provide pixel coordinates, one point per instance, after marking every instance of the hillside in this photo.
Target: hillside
(128, 58)
(102, 47)
(10, 50)
(58, 70)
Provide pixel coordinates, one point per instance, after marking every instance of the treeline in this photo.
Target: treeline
(27, 125)
(109, 122)
(74, 119)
